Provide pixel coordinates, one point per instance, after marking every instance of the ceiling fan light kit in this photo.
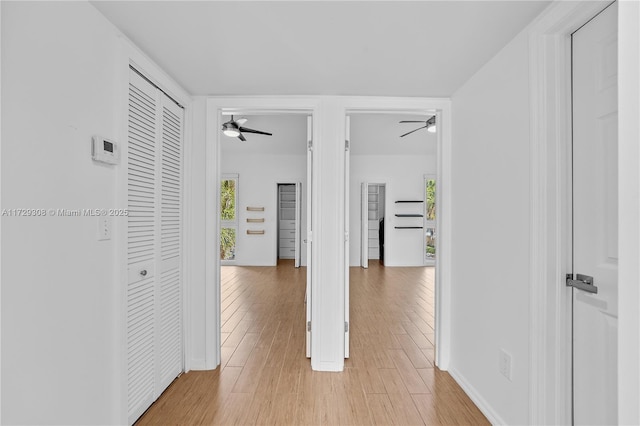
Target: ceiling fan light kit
(233, 129)
(429, 124)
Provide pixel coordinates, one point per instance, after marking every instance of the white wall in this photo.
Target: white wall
(404, 179)
(60, 86)
(259, 175)
(490, 232)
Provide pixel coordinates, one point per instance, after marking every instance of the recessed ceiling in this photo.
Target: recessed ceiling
(379, 48)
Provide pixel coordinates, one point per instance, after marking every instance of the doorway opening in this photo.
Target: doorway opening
(372, 223)
(264, 186)
(289, 211)
(392, 209)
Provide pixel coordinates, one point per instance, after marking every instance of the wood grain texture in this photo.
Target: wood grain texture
(265, 378)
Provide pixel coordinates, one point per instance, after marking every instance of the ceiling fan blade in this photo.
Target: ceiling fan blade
(241, 137)
(423, 127)
(413, 121)
(241, 121)
(259, 132)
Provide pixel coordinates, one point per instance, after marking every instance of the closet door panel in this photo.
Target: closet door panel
(141, 234)
(170, 283)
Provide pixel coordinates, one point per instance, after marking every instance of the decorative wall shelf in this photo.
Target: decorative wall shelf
(255, 232)
(253, 220)
(410, 201)
(255, 209)
(409, 215)
(408, 227)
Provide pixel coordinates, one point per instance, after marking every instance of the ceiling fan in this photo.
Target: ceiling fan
(233, 128)
(429, 124)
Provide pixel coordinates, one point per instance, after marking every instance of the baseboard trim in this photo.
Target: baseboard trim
(477, 399)
(198, 365)
(327, 366)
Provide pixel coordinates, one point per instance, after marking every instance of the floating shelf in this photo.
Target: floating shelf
(409, 215)
(250, 220)
(255, 209)
(408, 227)
(410, 201)
(255, 232)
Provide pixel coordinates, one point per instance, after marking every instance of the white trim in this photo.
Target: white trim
(475, 396)
(550, 97)
(629, 212)
(131, 55)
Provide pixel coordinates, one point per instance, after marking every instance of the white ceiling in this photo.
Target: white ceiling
(380, 48)
(371, 134)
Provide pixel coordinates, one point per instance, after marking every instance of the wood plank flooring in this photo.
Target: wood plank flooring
(265, 378)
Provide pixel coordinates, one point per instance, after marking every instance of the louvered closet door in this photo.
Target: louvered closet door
(154, 231)
(169, 318)
(141, 242)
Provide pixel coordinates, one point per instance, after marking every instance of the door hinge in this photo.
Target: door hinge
(346, 236)
(310, 145)
(346, 145)
(308, 325)
(346, 326)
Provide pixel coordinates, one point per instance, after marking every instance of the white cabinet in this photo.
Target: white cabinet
(287, 203)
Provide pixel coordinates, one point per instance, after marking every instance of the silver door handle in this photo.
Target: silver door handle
(582, 282)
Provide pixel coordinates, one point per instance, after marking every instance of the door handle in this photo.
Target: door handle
(582, 282)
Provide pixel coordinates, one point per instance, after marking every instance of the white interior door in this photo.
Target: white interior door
(347, 165)
(595, 220)
(364, 226)
(297, 225)
(307, 297)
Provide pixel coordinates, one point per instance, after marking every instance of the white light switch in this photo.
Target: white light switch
(104, 228)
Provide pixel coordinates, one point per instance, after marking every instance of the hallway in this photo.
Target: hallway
(264, 377)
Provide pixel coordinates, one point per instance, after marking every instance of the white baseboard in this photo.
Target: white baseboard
(198, 365)
(477, 399)
(327, 366)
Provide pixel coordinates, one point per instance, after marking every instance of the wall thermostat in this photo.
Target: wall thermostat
(104, 150)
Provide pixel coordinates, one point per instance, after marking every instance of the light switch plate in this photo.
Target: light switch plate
(104, 228)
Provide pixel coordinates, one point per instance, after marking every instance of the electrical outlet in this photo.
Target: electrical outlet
(104, 228)
(504, 364)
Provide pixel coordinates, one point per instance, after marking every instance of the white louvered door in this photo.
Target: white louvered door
(154, 229)
(169, 318)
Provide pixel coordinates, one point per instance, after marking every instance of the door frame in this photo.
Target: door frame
(441, 107)
(550, 399)
(130, 55)
(329, 114)
(215, 107)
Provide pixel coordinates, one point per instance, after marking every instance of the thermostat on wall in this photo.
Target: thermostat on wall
(104, 150)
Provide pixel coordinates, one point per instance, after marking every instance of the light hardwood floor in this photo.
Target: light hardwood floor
(266, 379)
